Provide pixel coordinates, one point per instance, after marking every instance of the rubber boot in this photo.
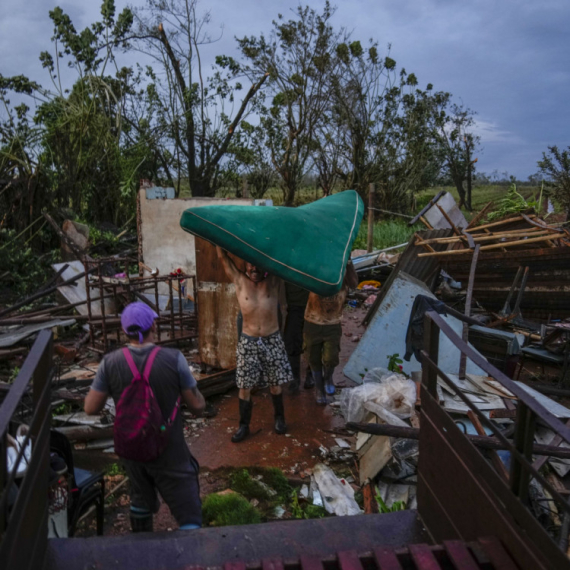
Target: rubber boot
(280, 426)
(245, 407)
(309, 381)
(141, 520)
(295, 361)
(319, 383)
(293, 387)
(328, 380)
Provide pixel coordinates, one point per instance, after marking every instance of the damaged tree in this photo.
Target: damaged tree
(191, 111)
(456, 142)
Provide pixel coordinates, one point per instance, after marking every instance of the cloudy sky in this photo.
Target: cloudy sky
(508, 60)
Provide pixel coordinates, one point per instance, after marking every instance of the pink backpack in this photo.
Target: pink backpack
(140, 432)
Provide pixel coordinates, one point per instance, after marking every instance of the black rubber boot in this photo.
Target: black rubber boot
(319, 383)
(309, 382)
(295, 361)
(328, 380)
(141, 521)
(245, 407)
(293, 387)
(280, 426)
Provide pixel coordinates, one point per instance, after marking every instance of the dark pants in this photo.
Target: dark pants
(178, 486)
(322, 345)
(293, 337)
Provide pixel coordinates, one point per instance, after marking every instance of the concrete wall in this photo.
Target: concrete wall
(165, 245)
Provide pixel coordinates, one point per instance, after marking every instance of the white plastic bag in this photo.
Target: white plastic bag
(392, 391)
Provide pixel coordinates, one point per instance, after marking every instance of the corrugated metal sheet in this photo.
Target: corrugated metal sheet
(425, 269)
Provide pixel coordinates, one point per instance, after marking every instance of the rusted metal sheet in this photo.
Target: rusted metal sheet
(217, 308)
(425, 269)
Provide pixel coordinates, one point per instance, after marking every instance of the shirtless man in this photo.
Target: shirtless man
(260, 350)
(322, 333)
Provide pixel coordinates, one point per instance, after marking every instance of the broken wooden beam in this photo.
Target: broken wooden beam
(490, 247)
(484, 442)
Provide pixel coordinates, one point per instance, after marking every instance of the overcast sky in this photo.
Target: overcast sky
(508, 60)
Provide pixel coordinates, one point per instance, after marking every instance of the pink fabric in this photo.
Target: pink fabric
(140, 431)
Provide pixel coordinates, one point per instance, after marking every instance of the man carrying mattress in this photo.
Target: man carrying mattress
(261, 352)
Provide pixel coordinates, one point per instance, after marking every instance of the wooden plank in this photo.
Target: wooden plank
(497, 554)
(459, 555)
(423, 557)
(311, 563)
(370, 504)
(349, 560)
(490, 247)
(386, 559)
(272, 564)
(479, 215)
(374, 457)
(495, 459)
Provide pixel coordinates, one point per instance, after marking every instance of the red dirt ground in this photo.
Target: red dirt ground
(309, 426)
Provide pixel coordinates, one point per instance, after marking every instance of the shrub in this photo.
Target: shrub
(231, 509)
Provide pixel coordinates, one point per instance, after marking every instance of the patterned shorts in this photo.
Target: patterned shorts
(262, 357)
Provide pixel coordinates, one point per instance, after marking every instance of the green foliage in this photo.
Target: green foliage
(241, 482)
(275, 478)
(386, 234)
(115, 469)
(394, 363)
(555, 165)
(14, 374)
(64, 408)
(25, 270)
(305, 510)
(230, 509)
(512, 203)
(271, 479)
(384, 508)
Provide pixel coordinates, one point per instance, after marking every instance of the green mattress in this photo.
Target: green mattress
(308, 246)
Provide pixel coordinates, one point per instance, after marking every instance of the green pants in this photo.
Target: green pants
(322, 345)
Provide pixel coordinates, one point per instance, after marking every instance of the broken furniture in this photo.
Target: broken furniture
(170, 296)
(86, 488)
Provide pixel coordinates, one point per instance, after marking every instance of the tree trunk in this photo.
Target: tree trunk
(200, 189)
(461, 191)
(289, 195)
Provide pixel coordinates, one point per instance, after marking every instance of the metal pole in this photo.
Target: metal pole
(370, 244)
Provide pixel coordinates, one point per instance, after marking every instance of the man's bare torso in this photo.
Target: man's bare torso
(258, 304)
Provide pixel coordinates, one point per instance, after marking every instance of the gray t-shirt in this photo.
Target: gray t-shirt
(169, 375)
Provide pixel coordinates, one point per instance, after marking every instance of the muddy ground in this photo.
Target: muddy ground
(309, 427)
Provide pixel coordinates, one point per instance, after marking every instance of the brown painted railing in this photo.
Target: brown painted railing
(23, 527)
(461, 494)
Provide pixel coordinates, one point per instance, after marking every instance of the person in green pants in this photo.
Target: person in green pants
(322, 333)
